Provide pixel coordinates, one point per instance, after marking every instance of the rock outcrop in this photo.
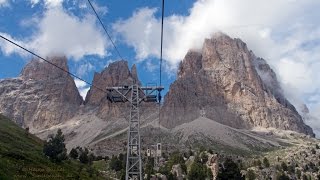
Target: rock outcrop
(116, 74)
(227, 83)
(42, 96)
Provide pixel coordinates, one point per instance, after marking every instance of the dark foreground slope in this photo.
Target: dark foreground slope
(21, 157)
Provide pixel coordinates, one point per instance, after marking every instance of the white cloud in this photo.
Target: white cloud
(30, 21)
(101, 10)
(4, 3)
(109, 62)
(150, 66)
(140, 31)
(83, 69)
(313, 120)
(82, 87)
(296, 73)
(82, 4)
(8, 48)
(60, 33)
(285, 32)
(53, 3)
(34, 2)
(48, 3)
(248, 19)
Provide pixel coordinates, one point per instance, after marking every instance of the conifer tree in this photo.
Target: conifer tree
(55, 148)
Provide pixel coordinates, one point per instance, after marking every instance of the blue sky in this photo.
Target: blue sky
(284, 32)
(19, 20)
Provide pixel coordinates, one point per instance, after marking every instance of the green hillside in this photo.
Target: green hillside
(21, 157)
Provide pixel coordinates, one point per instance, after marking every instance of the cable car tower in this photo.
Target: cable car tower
(135, 95)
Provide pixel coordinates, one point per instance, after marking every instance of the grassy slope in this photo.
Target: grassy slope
(21, 157)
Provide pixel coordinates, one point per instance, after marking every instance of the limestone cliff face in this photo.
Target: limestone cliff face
(41, 96)
(44, 96)
(116, 74)
(226, 82)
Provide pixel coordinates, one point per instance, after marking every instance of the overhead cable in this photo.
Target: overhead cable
(161, 41)
(71, 74)
(105, 29)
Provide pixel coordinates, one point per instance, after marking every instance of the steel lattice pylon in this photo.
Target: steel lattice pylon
(135, 95)
(133, 167)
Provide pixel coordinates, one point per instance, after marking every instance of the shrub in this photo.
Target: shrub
(116, 164)
(74, 154)
(284, 166)
(210, 151)
(198, 171)
(298, 173)
(176, 158)
(27, 131)
(251, 175)
(229, 171)
(190, 152)
(304, 177)
(204, 157)
(91, 158)
(106, 158)
(256, 162)
(282, 176)
(123, 159)
(149, 167)
(291, 168)
(84, 156)
(266, 162)
(202, 149)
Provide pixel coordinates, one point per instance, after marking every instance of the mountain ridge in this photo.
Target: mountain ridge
(224, 82)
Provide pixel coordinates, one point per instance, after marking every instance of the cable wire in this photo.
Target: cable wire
(160, 73)
(161, 41)
(71, 74)
(105, 29)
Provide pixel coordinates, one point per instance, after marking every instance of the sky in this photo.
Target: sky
(284, 32)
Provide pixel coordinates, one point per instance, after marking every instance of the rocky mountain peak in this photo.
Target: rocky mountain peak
(191, 64)
(42, 96)
(37, 69)
(116, 74)
(229, 84)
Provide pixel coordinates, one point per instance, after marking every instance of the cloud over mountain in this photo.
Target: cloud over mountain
(61, 33)
(284, 32)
